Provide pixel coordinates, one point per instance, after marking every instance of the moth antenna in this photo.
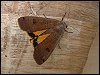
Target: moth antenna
(68, 17)
(35, 13)
(44, 16)
(9, 9)
(69, 11)
(42, 6)
(65, 13)
(63, 16)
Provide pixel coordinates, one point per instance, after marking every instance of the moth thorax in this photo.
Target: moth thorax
(59, 26)
(65, 25)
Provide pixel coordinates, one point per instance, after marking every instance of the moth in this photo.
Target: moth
(45, 34)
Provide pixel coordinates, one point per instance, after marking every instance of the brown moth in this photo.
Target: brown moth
(45, 34)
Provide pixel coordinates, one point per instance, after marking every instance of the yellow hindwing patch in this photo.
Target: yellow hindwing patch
(42, 37)
(39, 32)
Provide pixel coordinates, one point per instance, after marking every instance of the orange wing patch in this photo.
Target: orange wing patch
(39, 32)
(42, 37)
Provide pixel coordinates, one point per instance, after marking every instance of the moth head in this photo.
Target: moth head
(64, 24)
(62, 20)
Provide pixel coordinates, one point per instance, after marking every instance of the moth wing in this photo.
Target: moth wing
(32, 24)
(45, 48)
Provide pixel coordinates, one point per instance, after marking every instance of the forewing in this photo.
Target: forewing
(32, 24)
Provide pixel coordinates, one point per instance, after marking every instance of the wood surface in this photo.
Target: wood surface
(82, 19)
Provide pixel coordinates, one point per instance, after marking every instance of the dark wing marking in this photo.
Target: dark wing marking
(35, 43)
(34, 39)
(31, 35)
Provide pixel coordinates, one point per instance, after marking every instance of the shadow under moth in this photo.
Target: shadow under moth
(45, 34)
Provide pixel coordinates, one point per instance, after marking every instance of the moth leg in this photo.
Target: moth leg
(68, 31)
(66, 28)
(44, 16)
(59, 46)
(31, 40)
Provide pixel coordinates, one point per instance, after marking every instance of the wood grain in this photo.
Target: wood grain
(17, 53)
